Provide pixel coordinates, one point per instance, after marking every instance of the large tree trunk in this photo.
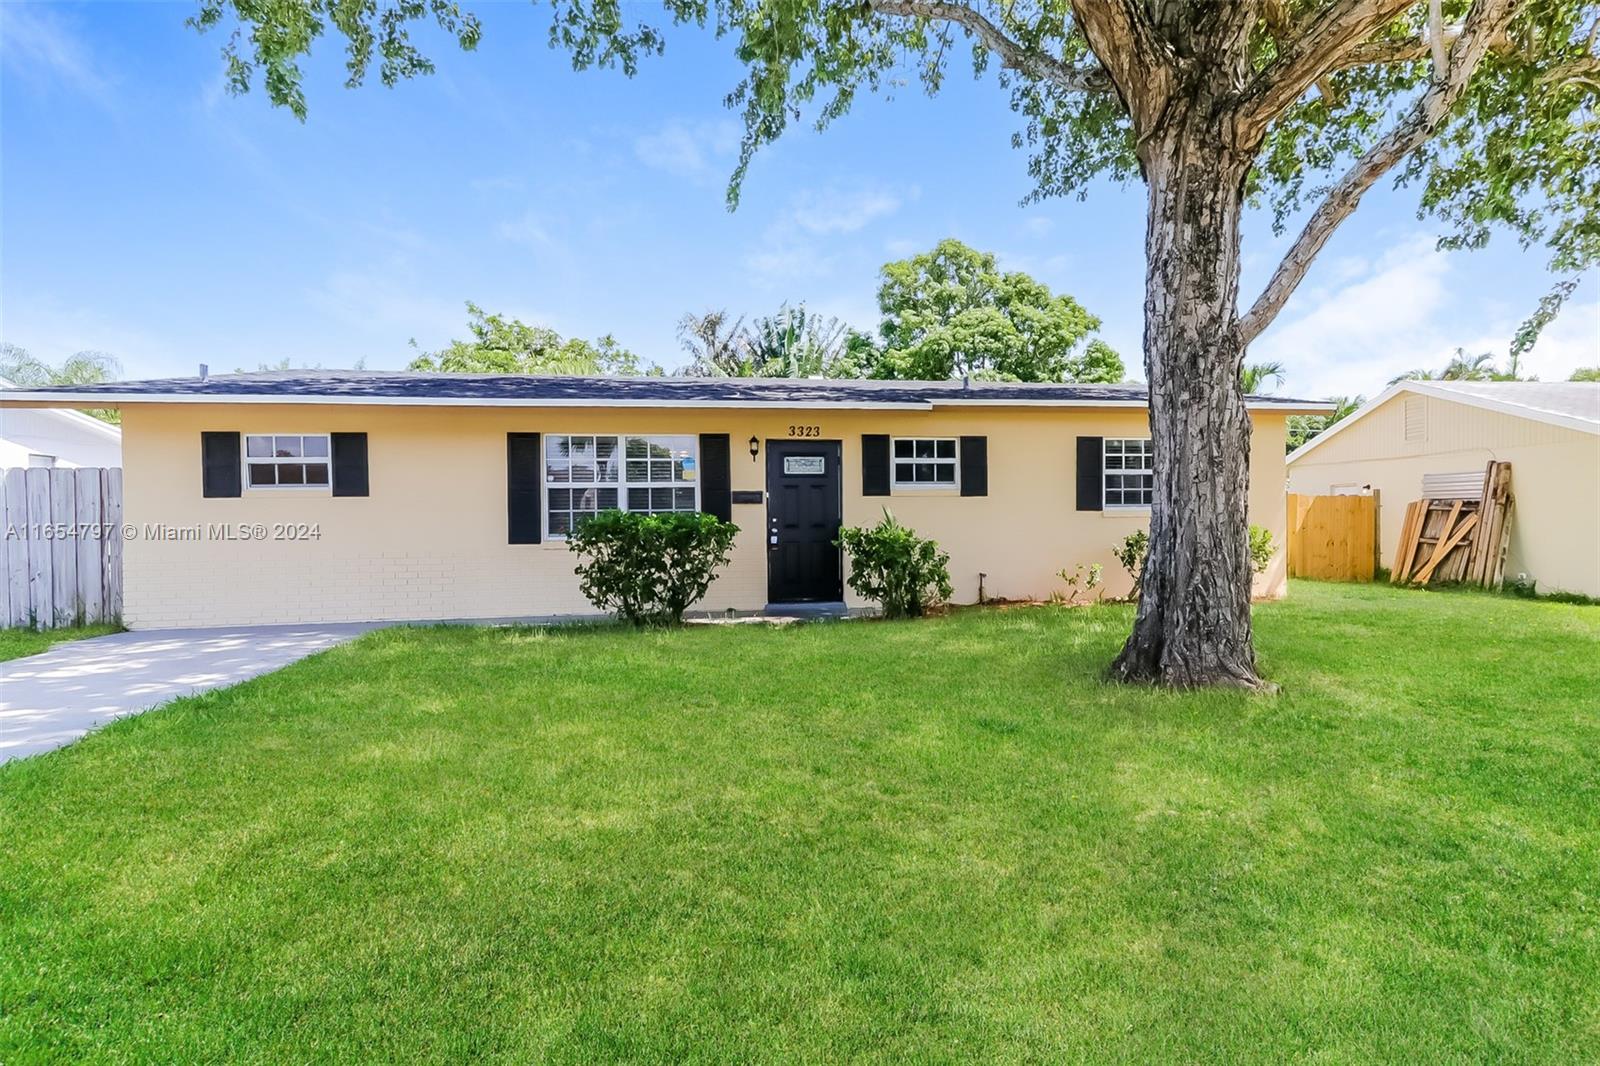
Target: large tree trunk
(1193, 623)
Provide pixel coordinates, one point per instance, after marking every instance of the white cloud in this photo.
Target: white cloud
(698, 151)
(1375, 319)
(530, 229)
(792, 247)
(837, 210)
(42, 49)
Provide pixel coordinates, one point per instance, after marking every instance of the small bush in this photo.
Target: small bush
(1261, 549)
(895, 568)
(1085, 577)
(649, 569)
(1130, 553)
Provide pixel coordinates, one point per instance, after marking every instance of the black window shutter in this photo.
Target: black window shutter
(874, 464)
(716, 476)
(974, 466)
(1091, 467)
(220, 474)
(349, 464)
(524, 464)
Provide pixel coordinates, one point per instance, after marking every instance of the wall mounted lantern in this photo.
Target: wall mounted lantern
(755, 447)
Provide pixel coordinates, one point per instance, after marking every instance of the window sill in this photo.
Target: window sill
(1118, 509)
(924, 490)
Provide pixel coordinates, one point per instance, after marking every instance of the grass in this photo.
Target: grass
(15, 643)
(927, 841)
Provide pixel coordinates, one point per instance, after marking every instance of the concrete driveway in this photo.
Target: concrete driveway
(54, 698)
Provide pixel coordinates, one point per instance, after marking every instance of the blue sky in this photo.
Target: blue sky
(145, 212)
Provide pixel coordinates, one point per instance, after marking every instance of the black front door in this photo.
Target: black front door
(803, 508)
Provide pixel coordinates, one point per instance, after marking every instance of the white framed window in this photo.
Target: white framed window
(1129, 471)
(585, 474)
(286, 461)
(924, 462)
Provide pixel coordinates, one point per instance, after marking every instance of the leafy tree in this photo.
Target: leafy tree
(27, 371)
(1253, 377)
(1586, 373)
(1485, 107)
(503, 345)
(1302, 428)
(951, 312)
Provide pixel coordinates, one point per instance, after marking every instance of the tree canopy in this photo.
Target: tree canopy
(952, 312)
(793, 343)
(27, 371)
(502, 345)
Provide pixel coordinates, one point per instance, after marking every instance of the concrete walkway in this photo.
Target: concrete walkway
(54, 698)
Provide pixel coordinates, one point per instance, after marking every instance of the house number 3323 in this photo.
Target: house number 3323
(805, 431)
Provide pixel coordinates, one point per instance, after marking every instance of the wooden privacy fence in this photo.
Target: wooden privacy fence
(1334, 538)
(60, 546)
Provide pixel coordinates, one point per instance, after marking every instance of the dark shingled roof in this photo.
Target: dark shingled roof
(382, 387)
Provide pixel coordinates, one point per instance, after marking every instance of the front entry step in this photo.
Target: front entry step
(833, 609)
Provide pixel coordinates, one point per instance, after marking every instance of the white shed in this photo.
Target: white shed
(1446, 432)
(53, 436)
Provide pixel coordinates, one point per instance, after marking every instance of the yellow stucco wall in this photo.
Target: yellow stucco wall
(430, 540)
(1555, 476)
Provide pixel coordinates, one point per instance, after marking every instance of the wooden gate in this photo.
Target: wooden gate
(60, 546)
(1334, 538)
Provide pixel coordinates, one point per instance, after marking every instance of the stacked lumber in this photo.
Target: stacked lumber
(1461, 537)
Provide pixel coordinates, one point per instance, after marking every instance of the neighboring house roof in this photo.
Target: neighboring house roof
(526, 390)
(1570, 404)
(70, 436)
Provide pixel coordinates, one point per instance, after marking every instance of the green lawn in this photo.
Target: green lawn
(15, 643)
(929, 841)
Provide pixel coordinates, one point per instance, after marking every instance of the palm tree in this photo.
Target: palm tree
(26, 370)
(1253, 377)
(794, 343)
(717, 347)
(1461, 367)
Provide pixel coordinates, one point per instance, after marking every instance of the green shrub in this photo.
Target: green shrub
(1130, 553)
(895, 568)
(649, 569)
(1261, 549)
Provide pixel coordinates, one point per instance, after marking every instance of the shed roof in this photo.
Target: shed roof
(1571, 404)
(526, 390)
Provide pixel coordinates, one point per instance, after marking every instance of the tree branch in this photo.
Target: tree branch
(1034, 64)
(1122, 37)
(1311, 52)
(1485, 22)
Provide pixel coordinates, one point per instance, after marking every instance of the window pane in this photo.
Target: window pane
(284, 447)
(661, 470)
(945, 449)
(902, 449)
(560, 523)
(582, 471)
(555, 446)
(1113, 462)
(924, 471)
(638, 470)
(638, 499)
(660, 499)
(638, 448)
(1113, 446)
(1113, 496)
(314, 446)
(924, 449)
(606, 499)
(683, 499)
(945, 473)
(263, 474)
(291, 474)
(316, 473)
(558, 470)
(259, 447)
(560, 499)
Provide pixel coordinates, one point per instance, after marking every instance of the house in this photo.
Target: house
(308, 496)
(52, 437)
(1550, 433)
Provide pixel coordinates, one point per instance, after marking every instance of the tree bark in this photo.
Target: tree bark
(1193, 621)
